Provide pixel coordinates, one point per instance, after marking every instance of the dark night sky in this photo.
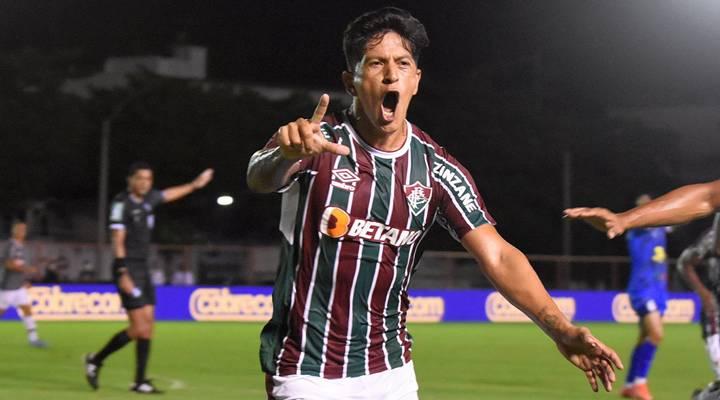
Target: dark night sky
(634, 53)
(653, 60)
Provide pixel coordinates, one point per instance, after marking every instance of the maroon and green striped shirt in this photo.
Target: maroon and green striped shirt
(351, 228)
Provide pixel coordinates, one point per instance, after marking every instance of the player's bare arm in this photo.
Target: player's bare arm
(676, 207)
(272, 168)
(686, 265)
(510, 272)
(180, 191)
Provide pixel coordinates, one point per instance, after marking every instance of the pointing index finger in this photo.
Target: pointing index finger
(321, 109)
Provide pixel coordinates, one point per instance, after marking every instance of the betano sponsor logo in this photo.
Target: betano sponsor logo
(460, 186)
(50, 303)
(678, 310)
(219, 304)
(337, 223)
(499, 309)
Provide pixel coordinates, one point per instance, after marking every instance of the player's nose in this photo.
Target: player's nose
(390, 74)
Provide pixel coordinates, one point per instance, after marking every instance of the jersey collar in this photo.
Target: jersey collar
(379, 153)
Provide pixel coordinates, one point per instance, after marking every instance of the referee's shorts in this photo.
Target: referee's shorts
(140, 275)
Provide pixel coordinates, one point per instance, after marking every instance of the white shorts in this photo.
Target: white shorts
(14, 298)
(394, 384)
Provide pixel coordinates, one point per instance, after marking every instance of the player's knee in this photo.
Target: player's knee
(656, 337)
(145, 331)
(141, 332)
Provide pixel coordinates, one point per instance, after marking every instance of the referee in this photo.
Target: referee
(131, 223)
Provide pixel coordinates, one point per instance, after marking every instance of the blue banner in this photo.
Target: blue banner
(77, 302)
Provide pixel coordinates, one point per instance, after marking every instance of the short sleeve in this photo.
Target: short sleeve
(155, 198)
(7, 251)
(461, 207)
(15, 252)
(699, 249)
(304, 165)
(118, 214)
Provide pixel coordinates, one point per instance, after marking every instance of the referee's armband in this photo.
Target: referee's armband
(118, 266)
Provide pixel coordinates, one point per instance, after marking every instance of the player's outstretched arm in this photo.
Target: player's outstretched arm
(180, 191)
(679, 206)
(510, 272)
(272, 167)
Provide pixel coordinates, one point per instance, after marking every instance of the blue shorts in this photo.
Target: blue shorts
(644, 305)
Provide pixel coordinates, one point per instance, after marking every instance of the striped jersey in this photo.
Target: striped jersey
(707, 250)
(12, 280)
(351, 228)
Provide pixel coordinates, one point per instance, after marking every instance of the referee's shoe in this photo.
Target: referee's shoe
(145, 387)
(92, 371)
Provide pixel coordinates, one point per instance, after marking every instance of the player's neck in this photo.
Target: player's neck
(136, 197)
(378, 139)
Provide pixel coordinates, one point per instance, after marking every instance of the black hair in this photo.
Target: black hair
(138, 165)
(18, 221)
(374, 24)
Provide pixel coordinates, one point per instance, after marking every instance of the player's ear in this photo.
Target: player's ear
(347, 80)
(417, 81)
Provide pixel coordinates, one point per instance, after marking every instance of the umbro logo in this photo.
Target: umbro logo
(345, 179)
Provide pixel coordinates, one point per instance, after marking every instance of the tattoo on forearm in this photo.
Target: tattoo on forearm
(549, 318)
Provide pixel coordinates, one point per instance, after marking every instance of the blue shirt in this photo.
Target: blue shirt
(647, 248)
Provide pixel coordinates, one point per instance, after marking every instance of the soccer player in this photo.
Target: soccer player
(706, 253)
(360, 190)
(131, 224)
(14, 283)
(648, 296)
(679, 206)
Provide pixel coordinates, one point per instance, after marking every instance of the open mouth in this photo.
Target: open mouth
(389, 103)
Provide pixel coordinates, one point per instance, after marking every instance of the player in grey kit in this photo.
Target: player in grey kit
(13, 286)
(699, 264)
(131, 223)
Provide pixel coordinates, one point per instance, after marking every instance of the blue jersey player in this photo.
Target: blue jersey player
(648, 296)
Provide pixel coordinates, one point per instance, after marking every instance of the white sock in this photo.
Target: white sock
(712, 345)
(30, 327)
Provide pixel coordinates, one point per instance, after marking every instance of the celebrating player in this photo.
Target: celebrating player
(13, 287)
(360, 190)
(131, 224)
(648, 296)
(706, 253)
(679, 206)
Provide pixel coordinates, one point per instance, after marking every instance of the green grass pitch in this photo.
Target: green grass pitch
(219, 361)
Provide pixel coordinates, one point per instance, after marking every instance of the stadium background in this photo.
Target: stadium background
(547, 104)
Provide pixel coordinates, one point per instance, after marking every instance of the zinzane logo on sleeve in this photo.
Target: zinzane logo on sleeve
(458, 184)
